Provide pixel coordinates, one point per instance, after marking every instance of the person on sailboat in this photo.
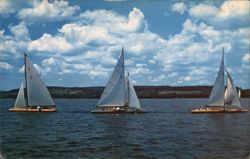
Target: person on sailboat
(39, 108)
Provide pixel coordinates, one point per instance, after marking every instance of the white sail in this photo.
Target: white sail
(216, 97)
(239, 93)
(114, 92)
(20, 100)
(37, 92)
(231, 95)
(133, 99)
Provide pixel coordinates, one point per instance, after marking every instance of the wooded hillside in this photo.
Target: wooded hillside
(142, 92)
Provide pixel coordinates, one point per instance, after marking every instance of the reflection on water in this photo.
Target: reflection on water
(167, 131)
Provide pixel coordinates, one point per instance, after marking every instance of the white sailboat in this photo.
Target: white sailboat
(119, 95)
(36, 97)
(221, 100)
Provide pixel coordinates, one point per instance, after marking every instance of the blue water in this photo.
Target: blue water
(167, 131)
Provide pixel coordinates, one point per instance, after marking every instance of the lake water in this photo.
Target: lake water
(168, 131)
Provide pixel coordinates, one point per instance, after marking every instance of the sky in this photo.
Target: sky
(77, 43)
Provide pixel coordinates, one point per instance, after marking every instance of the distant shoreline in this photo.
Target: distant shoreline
(146, 92)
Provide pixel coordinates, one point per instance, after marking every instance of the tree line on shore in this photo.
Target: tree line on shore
(141, 91)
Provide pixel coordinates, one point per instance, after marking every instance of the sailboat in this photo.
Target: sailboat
(35, 97)
(221, 100)
(119, 95)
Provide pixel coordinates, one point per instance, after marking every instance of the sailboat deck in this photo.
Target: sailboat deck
(219, 110)
(32, 110)
(116, 110)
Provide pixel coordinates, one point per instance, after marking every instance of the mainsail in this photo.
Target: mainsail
(114, 92)
(20, 100)
(37, 92)
(231, 95)
(216, 97)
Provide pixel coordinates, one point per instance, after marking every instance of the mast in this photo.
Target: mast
(25, 78)
(128, 88)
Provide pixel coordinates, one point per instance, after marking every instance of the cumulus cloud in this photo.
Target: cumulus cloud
(14, 45)
(45, 11)
(234, 9)
(51, 44)
(179, 7)
(203, 11)
(8, 7)
(98, 28)
(115, 22)
(197, 44)
(48, 62)
(140, 69)
(246, 62)
(91, 43)
(135, 21)
(5, 66)
(91, 70)
(224, 15)
(157, 78)
(20, 31)
(246, 58)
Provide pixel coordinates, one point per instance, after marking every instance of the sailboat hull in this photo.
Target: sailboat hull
(32, 110)
(219, 111)
(114, 110)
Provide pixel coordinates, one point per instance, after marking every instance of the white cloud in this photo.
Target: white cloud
(48, 62)
(140, 69)
(246, 57)
(157, 78)
(97, 30)
(14, 46)
(5, 66)
(115, 22)
(135, 21)
(203, 11)
(187, 78)
(45, 11)
(83, 34)
(246, 63)
(51, 44)
(233, 9)
(172, 75)
(20, 31)
(91, 70)
(6, 7)
(92, 42)
(197, 44)
(224, 15)
(88, 38)
(179, 7)
(12, 6)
